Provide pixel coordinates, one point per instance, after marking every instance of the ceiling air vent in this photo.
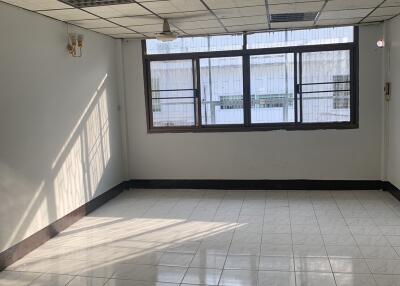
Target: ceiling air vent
(293, 17)
(95, 3)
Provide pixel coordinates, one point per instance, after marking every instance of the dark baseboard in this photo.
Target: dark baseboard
(22, 248)
(258, 184)
(389, 187)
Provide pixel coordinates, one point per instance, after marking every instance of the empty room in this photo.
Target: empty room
(200, 142)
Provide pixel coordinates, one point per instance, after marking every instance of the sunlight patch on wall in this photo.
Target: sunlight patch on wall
(82, 168)
(98, 140)
(69, 182)
(79, 122)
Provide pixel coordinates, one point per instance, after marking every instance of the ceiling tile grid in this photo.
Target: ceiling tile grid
(144, 18)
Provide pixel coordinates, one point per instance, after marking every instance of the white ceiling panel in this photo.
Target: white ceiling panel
(296, 7)
(345, 14)
(240, 12)
(386, 11)
(272, 2)
(391, 3)
(336, 22)
(137, 20)
(205, 31)
(197, 24)
(244, 21)
(335, 5)
(220, 4)
(157, 28)
(242, 28)
(118, 10)
(96, 23)
(376, 19)
(127, 36)
(68, 14)
(112, 31)
(192, 16)
(173, 6)
(35, 5)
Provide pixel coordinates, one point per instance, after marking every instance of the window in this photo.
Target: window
(300, 37)
(321, 86)
(272, 97)
(195, 44)
(221, 87)
(172, 93)
(301, 79)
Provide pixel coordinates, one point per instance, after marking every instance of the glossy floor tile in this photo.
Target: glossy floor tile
(231, 238)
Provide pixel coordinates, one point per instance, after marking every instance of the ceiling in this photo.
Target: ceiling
(143, 18)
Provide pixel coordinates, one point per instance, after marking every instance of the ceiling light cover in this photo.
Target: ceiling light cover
(95, 3)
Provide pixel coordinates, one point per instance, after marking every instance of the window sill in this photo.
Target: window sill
(255, 127)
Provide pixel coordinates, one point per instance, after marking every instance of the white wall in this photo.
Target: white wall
(321, 154)
(392, 114)
(60, 139)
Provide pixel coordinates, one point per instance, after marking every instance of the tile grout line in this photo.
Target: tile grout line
(230, 244)
(365, 259)
(351, 233)
(215, 214)
(262, 234)
(291, 237)
(191, 213)
(323, 241)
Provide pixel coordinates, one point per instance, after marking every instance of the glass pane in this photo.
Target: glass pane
(272, 85)
(326, 86)
(328, 66)
(195, 44)
(319, 36)
(326, 107)
(172, 93)
(173, 112)
(171, 75)
(221, 87)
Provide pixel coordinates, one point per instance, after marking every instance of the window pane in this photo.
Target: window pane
(221, 87)
(326, 107)
(171, 75)
(326, 86)
(173, 112)
(195, 44)
(172, 93)
(319, 36)
(272, 85)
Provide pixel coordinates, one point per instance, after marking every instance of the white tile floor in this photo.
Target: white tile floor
(210, 237)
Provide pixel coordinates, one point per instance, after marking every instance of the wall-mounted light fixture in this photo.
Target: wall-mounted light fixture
(380, 43)
(75, 44)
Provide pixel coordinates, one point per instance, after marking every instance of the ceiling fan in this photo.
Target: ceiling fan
(166, 35)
